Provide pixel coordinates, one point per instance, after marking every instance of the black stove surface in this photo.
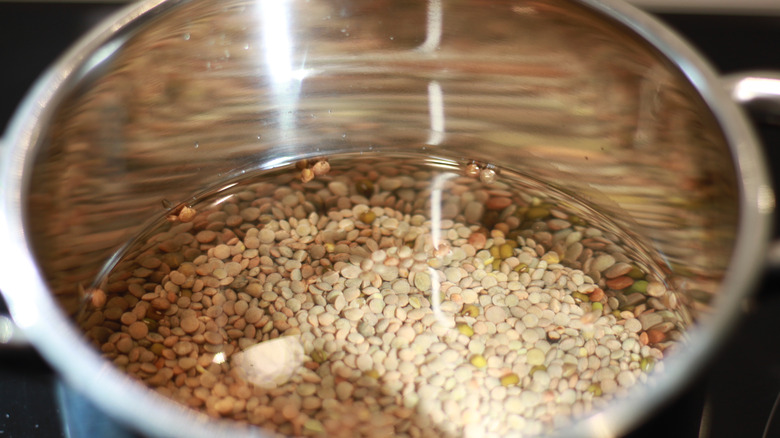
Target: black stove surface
(736, 396)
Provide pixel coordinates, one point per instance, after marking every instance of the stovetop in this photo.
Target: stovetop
(736, 396)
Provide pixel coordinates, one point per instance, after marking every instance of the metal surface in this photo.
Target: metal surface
(70, 155)
(760, 92)
(726, 7)
(10, 335)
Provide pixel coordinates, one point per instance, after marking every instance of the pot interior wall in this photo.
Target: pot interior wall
(547, 89)
(199, 91)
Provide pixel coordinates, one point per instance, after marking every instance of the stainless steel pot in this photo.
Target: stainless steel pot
(168, 97)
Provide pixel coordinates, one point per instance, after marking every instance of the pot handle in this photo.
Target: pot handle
(10, 334)
(759, 92)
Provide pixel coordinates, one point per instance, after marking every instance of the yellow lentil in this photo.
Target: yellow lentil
(478, 361)
(465, 329)
(510, 379)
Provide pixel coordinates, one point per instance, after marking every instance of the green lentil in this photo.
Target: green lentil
(646, 364)
(537, 368)
(319, 356)
(470, 310)
(595, 388)
(535, 213)
(522, 267)
(157, 348)
(365, 187)
(638, 286)
(636, 273)
(581, 296)
(151, 324)
(505, 251)
(368, 217)
(576, 220)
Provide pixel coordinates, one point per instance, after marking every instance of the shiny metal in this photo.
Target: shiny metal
(10, 335)
(169, 98)
(725, 7)
(757, 90)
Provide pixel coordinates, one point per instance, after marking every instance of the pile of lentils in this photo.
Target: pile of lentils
(506, 315)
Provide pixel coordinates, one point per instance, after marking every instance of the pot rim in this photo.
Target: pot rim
(36, 312)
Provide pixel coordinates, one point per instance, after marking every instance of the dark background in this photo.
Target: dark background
(735, 397)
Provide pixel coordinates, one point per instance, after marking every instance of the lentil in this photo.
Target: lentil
(314, 305)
